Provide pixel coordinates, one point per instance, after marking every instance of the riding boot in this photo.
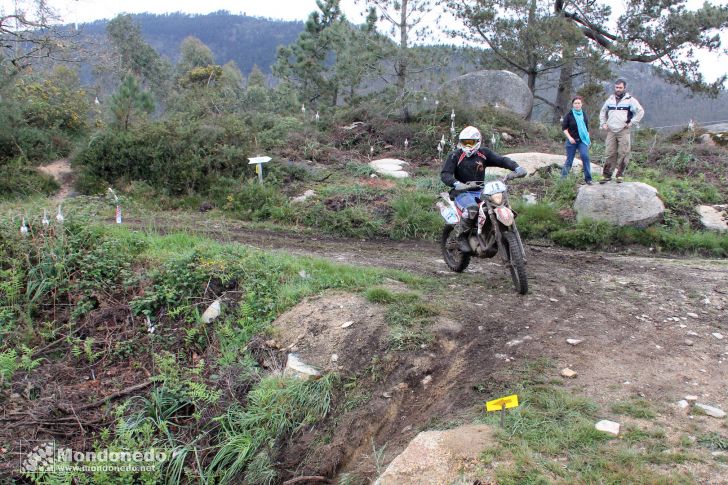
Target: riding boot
(463, 229)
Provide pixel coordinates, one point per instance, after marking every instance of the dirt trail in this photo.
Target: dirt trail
(650, 326)
(62, 172)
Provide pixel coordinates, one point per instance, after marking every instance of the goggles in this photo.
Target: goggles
(468, 143)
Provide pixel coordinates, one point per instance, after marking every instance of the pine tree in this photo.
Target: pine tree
(130, 102)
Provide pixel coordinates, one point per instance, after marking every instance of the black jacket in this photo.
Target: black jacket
(569, 122)
(464, 169)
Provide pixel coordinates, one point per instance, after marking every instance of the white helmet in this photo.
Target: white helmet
(469, 140)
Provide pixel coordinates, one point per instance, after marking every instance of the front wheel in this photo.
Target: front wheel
(517, 264)
(455, 259)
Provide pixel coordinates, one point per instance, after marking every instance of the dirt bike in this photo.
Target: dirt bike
(495, 231)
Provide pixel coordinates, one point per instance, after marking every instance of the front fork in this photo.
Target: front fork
(498, 234)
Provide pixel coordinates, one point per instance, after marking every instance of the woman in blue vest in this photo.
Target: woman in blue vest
(576, 128)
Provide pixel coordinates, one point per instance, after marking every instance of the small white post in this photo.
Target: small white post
(258, 162)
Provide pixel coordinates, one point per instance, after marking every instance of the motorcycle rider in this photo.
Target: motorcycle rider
(467, 164)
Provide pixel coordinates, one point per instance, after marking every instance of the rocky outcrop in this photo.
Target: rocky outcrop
(498, 89)
(532, 161)
(717, 134)
(437, 457)
(626, 204)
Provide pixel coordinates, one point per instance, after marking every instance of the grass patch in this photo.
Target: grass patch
(637, 408)
(714, 441)
(550, 438)
(414, 216)
(380, 295)
(408, 318)
(277, 407)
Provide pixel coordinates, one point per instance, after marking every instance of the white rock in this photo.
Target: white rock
(711, 410)
(693, 315)
(573, 341)
(334, 358)
(608, 427)
(297, 368)
(566, 372)
(717, 335)
(553, 300)
(390, 167)
(692, 334)
(212, 312)
(347, 324)
(427, 380)
(683, 404)
(529, 198)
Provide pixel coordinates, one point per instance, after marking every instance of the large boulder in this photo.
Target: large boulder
(717, 134)
(532, 161)
(437, 457)
(499, 89)
(714, 217)
(626, 204)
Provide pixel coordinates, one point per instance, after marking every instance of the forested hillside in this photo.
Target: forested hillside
(250, 41)
(247, 41)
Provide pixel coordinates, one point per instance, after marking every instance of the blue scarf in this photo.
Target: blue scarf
(583, 132)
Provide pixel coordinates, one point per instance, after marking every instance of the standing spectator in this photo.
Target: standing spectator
(619, 112)
(576, 128)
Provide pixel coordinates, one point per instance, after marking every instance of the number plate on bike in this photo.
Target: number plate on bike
(494, 187)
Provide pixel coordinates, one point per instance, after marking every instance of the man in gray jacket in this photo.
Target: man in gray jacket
(620, 111)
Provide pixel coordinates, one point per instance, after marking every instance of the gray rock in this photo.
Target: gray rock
(295, 367)
(711, 410)
(714, 217)
(498, 89)
(683, 404)
(627, 204)
(437, 457)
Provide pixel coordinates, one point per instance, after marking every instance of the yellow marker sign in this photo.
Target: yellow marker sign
(497, 404)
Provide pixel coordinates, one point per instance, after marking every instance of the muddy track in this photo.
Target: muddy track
(647, 327)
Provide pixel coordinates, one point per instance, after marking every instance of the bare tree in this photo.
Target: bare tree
(31, 31)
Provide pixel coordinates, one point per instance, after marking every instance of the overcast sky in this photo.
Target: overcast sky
(89, 10)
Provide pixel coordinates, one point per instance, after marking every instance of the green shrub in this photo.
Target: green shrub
(177, 157)
(256, 202)
(8, 366)
(537, 220)
(19, 180)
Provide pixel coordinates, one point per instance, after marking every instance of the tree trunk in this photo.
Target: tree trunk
(532, 62)
(402, 61)
(565, 89)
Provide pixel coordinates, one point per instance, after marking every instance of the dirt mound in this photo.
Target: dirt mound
(333, 332)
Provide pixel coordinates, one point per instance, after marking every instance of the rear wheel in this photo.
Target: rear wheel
(455, 259)
(517, 264)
